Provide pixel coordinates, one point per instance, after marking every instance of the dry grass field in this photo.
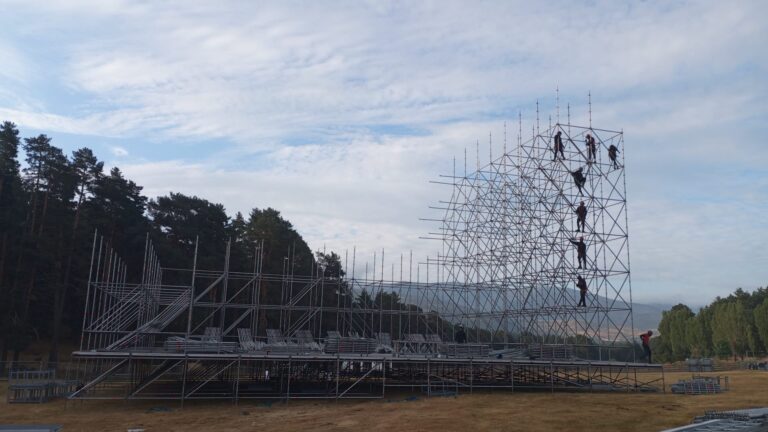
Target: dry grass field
(496, 411)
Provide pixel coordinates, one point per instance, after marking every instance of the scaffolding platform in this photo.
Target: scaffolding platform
(37, 386)
(504, 282)
(158, 375)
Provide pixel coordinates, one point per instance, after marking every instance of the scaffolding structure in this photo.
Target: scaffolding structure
(509, 262)
(504, 279)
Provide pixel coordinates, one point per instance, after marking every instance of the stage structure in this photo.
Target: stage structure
(496, 308)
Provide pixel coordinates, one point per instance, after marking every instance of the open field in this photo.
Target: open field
(497, 411)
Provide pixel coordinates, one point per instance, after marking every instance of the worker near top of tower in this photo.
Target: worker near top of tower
(581, 217)
(581, 284)
(558, 147)
(612, 152)
(581, 251)
(591, 147)
(579, 179)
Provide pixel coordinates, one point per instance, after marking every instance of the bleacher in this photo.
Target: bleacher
(36, 386)
(541, 351)
(335, 343)
(210, 341)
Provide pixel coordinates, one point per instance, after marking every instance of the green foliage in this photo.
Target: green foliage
(50, 210)
(674, 324)
(729, 327)
(760, 315)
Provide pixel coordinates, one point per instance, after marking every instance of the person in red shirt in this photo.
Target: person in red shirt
(646, 339)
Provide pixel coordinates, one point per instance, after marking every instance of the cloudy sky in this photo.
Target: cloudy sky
(339, 113)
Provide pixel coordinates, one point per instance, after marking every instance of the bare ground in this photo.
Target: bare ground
(497, 411)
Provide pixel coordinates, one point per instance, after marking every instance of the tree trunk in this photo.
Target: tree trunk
(32, 213)
(60, 292)
(3, 355)
(28, 297)
(42, 216)
(3, 251)
(59, 304)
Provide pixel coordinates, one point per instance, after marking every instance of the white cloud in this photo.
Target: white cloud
(256, 73)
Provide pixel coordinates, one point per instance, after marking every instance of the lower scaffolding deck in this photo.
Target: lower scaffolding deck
(153, 375)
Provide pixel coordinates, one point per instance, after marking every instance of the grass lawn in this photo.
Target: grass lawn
(497, 411)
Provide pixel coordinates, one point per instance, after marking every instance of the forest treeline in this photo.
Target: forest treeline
(734, 326)
(50, 209)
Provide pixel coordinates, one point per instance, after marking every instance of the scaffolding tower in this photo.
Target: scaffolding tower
(508, 259)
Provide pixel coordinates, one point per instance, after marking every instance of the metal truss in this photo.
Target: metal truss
(506, 274)
(508, 263)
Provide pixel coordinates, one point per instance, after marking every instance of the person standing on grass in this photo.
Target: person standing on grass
(646, 339)
(460, 336)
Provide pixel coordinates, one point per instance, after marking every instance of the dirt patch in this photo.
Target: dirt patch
(498, 411)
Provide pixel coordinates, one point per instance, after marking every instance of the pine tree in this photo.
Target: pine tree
(11, 219)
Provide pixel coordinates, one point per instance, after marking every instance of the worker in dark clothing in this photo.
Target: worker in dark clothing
(581, 284)
(581, 251)
(612, 152)
(646, 339)
(460, 336)
(581, 217)
(579, 179)
(558, 147)
(591, 147)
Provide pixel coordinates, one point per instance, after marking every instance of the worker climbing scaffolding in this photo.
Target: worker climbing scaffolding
(581, 251)
(558, 146)
(591, 148)
(581, 217)
(612, 152)
(579, 179)
(581, 284)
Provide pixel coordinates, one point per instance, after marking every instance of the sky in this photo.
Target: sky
(339, 114)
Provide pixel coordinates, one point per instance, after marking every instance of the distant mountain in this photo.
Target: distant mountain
(648, 316)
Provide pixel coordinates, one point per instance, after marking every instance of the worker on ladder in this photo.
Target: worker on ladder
(579, 179)
(591, 148)
(558, 147)
(581, 284)
(581, 217)
(581, 251)
(612, 152)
